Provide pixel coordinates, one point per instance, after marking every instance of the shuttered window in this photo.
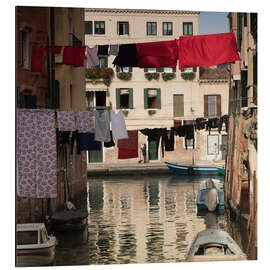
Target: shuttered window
(122, 28)
(187, 29)
(152, 98)
(212, 105)
(151, 28)
(100, 28)
(178, 105)
(124, 98)
(167, 28)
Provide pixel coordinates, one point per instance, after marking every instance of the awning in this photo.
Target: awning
(95, 89)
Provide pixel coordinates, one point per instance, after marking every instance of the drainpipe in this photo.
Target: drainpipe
(52, 96)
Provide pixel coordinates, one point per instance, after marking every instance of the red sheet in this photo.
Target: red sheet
(207, 50)
(128, 148)
(157, 54)
(37, 55)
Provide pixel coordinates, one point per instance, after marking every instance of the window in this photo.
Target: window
(212, 144)
(124, 98)
(151, 28)
(150, 70)
(25, 49)
(152, 98)
(88, 27)
(212, 105)
(103, 61)
(187, 28)
(123, 69)
(27, 237)
(96, 99)
(100, 28)
(123, 28)
(167, 28)
(178, 105)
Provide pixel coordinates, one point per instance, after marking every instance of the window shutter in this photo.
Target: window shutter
(88, 27)
(146, 98)
(218, 105)
(117, 98)
(117, 69)
(158, 99)
(194, 69)
(145, 69)
(160, 69)
(130, 98)
(130, 69)
(205, 105)
(174, 69)
(127, 28)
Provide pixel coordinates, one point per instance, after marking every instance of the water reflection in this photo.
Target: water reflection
(138, 219)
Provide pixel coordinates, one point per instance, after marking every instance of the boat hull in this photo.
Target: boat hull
(192, 169)
(35, 256)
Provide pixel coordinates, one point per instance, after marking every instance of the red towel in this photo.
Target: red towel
(128, 148)
(57, 49)
(157, 54)
(68, 55)
(207, 50)
(37, 54)
(79, 57)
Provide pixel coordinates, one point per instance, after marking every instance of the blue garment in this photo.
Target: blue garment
(87, 142)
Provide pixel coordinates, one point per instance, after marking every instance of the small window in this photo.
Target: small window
(152, 98)
(88, 27)
(124, 98)
(123, 28)
(212, 106)
(25, 49)
(123, 69)
(27, 237)
(168, 70)
(150, 70)
(187, 28)
(151, 28)
(100, 28)
(167, 28)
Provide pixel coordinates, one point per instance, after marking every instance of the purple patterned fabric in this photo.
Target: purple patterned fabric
(66, 121)
(36, 153)
(86, 121)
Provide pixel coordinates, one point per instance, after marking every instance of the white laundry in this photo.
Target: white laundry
(102, 126)
(119, 130)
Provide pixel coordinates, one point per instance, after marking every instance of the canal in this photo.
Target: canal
(143, 219)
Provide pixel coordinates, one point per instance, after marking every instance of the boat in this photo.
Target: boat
(69, 220)
(214, 245)
(192, 169)
(221, 171)
(211, 197)
(33, 245)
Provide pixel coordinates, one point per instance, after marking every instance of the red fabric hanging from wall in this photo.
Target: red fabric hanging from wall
(157, 54)
(128, 148)
(37, 56)
(207, 50)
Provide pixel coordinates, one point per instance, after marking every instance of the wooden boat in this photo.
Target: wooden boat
(69, 220)
(33, 245)
(214, 245)
(192, 169)
(221, 171)
(211, 196)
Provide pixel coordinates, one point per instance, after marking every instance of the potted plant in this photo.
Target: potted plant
(151, 112)
(167, 76)
(188, 76)
(125, 76)
(125, 112)
(150, 76)
(99, 73)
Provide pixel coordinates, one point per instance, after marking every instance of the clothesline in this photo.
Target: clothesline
(217, 49)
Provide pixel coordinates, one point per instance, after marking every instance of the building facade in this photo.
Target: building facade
(241, 169)
(58, 87)
(153, 98)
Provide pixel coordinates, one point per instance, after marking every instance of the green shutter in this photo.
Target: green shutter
(117, 98)
(130, 98)
(146, 98)
(174, 69)
(158, 98)
(145, 69)
(88, 27)
(130, 69)
(160, 69)
(194, 69)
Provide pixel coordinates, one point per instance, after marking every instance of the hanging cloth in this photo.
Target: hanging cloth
(57, 49)
(102, 126)
(119, 130)
(92, 57)
(128, 148)
(113, 50)
(37, 57)
(157, 54)
(103, 49)
(66, 120)
(110, 143)
(86, 121)
(127, 56)
(167, 142)
(36, 153)
(207, 50)
(79, 55)
(68, 55)
(153, 135)
(87, 142)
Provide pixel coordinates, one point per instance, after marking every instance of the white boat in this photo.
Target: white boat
(211, 183)
(33, 245)
(214, 245)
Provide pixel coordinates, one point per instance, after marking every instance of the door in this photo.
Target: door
(224, 139)
(95, 156)
(152, 150)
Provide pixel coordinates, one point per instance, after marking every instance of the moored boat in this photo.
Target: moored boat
(214, 245)
(33, 245)
(192, 169)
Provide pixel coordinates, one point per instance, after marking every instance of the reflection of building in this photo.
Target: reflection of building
(144, 216)
(58, 86)
(154, 98)
(241, 171)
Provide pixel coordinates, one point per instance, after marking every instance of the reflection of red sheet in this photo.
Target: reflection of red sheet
(37, 55)
(207, 50)
(157, 54)
(128, 148)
